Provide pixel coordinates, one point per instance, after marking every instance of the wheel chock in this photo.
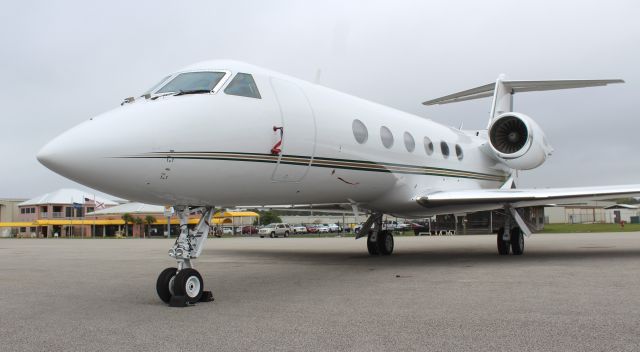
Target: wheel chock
(181, 301)
(178, 301)
(207, 296)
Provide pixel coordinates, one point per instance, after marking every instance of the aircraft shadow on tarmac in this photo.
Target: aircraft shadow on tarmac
(432, 257)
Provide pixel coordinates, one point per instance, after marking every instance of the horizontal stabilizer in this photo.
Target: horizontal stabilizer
(513, 87)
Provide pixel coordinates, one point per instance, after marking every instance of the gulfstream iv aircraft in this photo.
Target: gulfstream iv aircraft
(225, 134)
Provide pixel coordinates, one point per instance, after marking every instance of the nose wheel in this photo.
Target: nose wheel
(181, 288)
(188, 283)
(164, 285)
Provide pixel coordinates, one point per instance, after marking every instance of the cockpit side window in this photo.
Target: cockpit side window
(243, 85)
(192, 81)
(155, 86)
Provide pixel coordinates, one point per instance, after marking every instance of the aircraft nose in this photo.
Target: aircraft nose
(68, 154)
(52, 154)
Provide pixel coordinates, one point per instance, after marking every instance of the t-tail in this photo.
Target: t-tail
(514, 138)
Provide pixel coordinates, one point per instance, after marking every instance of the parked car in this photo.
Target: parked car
(275, 230)
(312, 229)
(227, 230)
(249, 230)
(334, 228)
(390, 226)
(419, 227)
(299, 229)
(322, 228)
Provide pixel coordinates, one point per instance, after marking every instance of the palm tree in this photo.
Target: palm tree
(149, 220)
(139, 222)
(127, 218)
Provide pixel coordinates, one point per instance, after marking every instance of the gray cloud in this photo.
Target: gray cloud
(66, 61)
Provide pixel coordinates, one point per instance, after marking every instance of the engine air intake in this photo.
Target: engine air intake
(509, 135)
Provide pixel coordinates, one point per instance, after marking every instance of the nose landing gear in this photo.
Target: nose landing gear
(184, 285)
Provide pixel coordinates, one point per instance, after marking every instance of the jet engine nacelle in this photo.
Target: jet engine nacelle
(516, 140)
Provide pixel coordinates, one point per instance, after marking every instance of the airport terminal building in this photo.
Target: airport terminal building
(75, 213)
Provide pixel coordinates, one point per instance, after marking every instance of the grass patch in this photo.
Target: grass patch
(583, 228)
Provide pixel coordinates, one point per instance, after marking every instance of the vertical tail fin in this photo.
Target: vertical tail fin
(502, 98)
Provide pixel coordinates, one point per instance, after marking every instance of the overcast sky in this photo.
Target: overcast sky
(65, 61)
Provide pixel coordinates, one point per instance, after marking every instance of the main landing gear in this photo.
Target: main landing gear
(184, 285)
(511, 239)
(379, 242)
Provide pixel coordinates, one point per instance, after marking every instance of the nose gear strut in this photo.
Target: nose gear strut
(184, 284)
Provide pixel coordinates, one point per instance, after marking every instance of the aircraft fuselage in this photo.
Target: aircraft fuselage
(216, 149)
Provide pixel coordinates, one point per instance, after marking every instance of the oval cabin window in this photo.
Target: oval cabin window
(428, 146)
(386, 136)
(360, 132)
(445, 149)
(409, 142)
(459, 152)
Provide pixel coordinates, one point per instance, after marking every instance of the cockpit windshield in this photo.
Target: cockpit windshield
(192, 81)
(155, 86)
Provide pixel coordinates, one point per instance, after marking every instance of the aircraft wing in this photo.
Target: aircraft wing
(518, 198)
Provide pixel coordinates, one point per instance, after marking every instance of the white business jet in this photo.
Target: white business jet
(226, 133)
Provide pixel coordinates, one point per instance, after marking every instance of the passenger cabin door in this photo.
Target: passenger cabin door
(298, 132)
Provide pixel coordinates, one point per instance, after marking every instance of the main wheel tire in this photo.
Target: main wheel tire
(517, 241)
(286, 234)
(272, 235)
(385, 243)
(188, 283)
(163, 285)
(372, 246)
(503, 246)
